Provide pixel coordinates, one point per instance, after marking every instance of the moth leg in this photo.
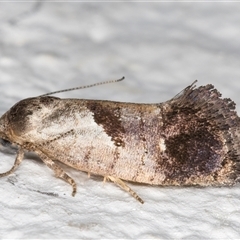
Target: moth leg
(58, 171)
(124, 186)
(105, 179)
(18, 160)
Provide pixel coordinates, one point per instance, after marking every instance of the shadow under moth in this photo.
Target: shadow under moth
(192, 139)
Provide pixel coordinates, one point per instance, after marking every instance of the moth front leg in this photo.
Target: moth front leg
(18, 160)
(58, 171)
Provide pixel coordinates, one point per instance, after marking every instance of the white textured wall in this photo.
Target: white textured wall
(160, 48)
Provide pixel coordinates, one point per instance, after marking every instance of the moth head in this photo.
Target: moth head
(3, 126)
(24, 117)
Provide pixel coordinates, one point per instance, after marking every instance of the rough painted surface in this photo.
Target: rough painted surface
(51, 46)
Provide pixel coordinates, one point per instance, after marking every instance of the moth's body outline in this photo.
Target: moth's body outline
(191, 139)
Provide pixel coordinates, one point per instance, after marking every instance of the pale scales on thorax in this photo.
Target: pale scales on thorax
(191, 139)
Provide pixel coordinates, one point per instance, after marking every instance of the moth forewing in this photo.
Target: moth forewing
(188, 140)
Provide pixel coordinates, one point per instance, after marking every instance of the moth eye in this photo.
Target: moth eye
(7, 147)
(5, 143)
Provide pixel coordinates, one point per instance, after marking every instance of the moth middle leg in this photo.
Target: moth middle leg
(18, 160)
(124, 186)
(58, 171)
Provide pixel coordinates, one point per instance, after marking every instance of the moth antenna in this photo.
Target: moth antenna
(87, 86)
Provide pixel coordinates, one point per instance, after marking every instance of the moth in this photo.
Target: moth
(192, 139)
